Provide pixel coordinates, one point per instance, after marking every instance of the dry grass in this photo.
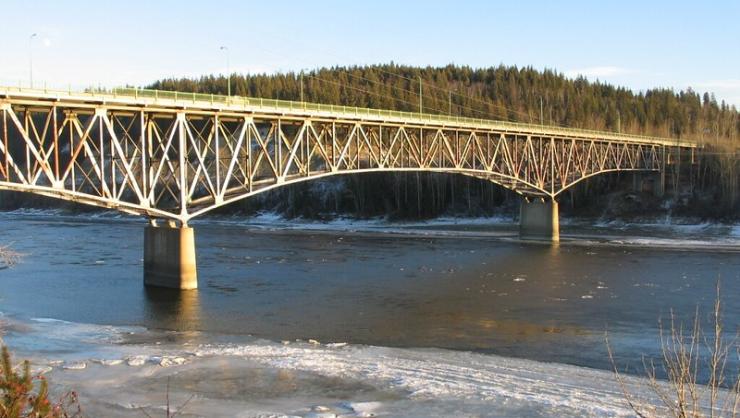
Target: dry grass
(681, 395)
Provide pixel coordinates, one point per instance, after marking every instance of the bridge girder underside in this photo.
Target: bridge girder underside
(181, 163)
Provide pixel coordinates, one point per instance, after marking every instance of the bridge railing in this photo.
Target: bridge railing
(275, 104)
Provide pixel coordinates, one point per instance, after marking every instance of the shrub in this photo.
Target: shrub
(23, 395)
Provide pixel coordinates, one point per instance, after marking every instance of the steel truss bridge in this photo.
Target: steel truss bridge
(175, 156)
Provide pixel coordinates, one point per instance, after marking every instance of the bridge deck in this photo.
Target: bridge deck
(193, 102)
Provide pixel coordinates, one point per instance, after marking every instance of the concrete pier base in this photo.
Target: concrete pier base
(169, 257)
(538, 220)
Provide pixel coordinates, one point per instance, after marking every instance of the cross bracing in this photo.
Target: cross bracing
(179, 155)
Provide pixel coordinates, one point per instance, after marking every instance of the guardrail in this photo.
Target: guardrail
(273, 104)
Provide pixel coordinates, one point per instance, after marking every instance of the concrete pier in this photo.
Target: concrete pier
(169, 257)
(538, 220)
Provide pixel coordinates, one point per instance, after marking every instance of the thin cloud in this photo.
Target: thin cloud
(599, 71)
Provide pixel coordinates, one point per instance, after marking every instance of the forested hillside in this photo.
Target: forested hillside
(506, 93)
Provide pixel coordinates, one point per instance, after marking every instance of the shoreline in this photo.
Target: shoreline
(684, 234)
(348, 380)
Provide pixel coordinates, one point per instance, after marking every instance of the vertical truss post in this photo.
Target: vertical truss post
(5, 141)
(100, 112)
(26, 121)
(183, 155)
(57, 183)
(552, 165)
(71, 117)
(144, 147)
(217, 154)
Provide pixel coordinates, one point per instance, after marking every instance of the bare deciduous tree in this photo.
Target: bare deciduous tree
(686, 353)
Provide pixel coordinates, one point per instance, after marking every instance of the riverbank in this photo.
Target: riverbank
(116, 377)
(275, 220)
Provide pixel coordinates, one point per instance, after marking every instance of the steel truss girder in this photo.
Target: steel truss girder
(181, 163)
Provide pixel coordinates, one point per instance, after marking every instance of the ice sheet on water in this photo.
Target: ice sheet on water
(426, 375)
(76, 332)
(680, 242)
(268, 220)
(735, 231)
(75, 365)
(413, 382)
(67, 214)
(108, 362)
(266, 378)
(136, 361)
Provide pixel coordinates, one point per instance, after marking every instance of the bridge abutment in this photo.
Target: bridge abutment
(539, 220)
(169, 257)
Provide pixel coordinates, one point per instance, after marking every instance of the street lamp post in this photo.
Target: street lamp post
(421, 103)
(302, 86)
(30, 59)
(228, 71)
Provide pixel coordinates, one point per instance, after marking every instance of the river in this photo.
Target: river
(447, 318)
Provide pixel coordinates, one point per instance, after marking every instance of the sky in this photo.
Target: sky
(635, 44)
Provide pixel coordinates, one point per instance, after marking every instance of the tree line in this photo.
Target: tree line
(503, 92)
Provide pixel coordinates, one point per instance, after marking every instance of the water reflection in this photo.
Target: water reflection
(172, 308)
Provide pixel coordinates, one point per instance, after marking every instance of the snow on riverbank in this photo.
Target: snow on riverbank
(120, 371)
(116, 377)
(273, 219)
(675, 233)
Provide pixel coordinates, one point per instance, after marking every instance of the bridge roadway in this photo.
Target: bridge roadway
(172, 156)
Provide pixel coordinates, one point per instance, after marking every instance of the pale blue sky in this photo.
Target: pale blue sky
(638, 44)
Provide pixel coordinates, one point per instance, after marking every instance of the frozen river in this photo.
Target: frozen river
(451, 318)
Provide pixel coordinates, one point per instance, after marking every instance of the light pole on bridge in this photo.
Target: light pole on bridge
(30, 59)
(228, 71)
(302, 100)
(421, 103)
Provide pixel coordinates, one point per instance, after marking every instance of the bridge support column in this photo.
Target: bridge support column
(169, 257)
(539, 220)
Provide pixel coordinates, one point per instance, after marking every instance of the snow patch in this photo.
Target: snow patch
(439, 375)
(77, 365)
(137, 361)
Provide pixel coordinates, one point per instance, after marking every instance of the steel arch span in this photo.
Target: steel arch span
(162, 155)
